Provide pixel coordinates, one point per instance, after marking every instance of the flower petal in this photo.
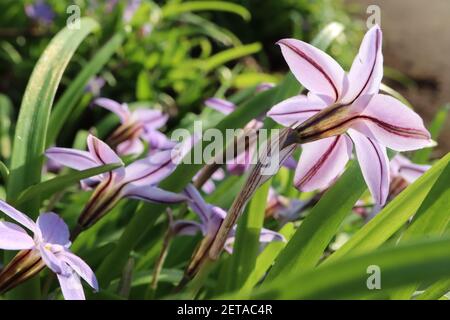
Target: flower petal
(221, 105)
(364, 77)
(295, 110)
(81, 268)
(403, 167)
(187, 228)
(131, 146)
(152, 194)
(313, 68)
(150, 170)
(197, 203)
(374, 164)
(13, 237)
(158, 140)
(18, 216)
(72, 158)
(51, 260)
(393, 124)
(290, 163)
(267, 236)
(413, 171)
(53, 229)
(321, 162)
(71, 287)
(151, 119)
(103, 154)
(208, 187)
(121, 110)
(218, 175)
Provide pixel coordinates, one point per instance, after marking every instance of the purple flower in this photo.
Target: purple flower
(40, 12)
(345, 109)
(211, 218)
(282, 208)
(264, 86)
(136, 124)
(95, 85)
(48, 247)
(131, 9)
(158, 141)
(403, 168)
(138, 180)
(403, 172)
(209, 186)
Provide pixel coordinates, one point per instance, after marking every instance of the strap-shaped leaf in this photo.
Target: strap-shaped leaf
(65, 105)
(348, 278)
(312, 237)
(246, 245)
(32, 123)
(393, 216)
(191, 6)
(431, 219)
(45, 189)
(5, 124)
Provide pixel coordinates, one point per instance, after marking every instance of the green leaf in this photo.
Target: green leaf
(348, 278)
(4, 172)
(190, 6)
(327, 35)
(393, 216)
(5, 125)
(266, 259)
(32, 124)
(66, 104)
(312, 237)
(246, 245)
(229, 55)
(435, 291)
(211, 29)
(45, 189)
(431, 220)
(423, 155)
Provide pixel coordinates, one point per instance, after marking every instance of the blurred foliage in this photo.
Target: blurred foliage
(172, 58)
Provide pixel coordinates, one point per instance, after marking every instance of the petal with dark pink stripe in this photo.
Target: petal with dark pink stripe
(152, 194)
(393, 124)
(313, 68)
(295, 110)
(221, 105)
(374, 164)
(364, 77)
(321, 162)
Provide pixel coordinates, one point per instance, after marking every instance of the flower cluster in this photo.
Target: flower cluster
(340, 112)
